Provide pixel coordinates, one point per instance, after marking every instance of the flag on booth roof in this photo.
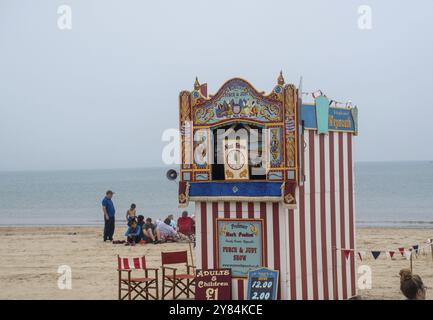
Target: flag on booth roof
(375, 254)
(391, 253)
(401, 251)
(408, 254)
(346, 253)
(415, 247)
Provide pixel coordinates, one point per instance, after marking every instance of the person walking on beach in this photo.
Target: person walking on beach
(109, 212)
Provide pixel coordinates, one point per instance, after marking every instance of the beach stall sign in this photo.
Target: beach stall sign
(213, 284)
(262, 284)
(240, 245)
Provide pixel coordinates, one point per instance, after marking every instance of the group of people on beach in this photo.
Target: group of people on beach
(140, 230)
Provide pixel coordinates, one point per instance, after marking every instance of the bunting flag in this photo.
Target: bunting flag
(375, 254)
(405, 253)
(331, 103)
(347, 253)
(317, 93)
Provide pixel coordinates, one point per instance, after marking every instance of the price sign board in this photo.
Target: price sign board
(213, 284)
(262, 284)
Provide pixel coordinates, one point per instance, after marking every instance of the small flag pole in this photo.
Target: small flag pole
(411, 261)
(190, 251)
(334, 269)
(431, 247)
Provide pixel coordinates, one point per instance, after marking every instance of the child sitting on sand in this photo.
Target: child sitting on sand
(133, 234)
(130, 214)
(411, 285)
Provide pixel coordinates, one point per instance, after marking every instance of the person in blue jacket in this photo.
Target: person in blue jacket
(109, 218)
(133, 234)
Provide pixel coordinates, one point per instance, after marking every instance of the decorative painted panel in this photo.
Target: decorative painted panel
(237, 99)
(275, 147)
(201, 148)
(290, 125)
(201, 176)
(185, 129)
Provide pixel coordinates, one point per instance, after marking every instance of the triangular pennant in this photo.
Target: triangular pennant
(408, 254)
(415, 247)
(360, 255)
(375, 254)
(401, 251)
(346, 253)
(391, 254)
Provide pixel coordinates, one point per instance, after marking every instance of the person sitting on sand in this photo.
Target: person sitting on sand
(133, 234)
(172, 221)
(411, 285)
(130, 214)
(140, 223)
(185, 225)
(149, 231)
(165, 231)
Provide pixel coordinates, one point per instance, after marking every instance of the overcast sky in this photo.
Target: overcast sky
(101, 95)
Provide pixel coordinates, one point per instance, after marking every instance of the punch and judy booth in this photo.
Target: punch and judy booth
(272, 182)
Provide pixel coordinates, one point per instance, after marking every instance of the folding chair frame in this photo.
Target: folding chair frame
(140, 288)
(184, 285)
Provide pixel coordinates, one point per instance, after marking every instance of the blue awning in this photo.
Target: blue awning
(235, 189)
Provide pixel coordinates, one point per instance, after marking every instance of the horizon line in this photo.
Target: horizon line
(167, 166)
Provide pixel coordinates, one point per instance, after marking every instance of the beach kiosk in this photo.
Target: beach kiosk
(272, 181)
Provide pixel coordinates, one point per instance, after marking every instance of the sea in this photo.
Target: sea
(388, 194)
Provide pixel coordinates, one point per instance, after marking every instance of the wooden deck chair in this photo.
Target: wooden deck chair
(136, 286)
(183, 281)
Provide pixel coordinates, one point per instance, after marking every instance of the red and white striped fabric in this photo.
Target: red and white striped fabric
(299, 243)
(131, 263)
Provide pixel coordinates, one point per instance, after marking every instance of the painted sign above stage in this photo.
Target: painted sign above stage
(339, 119)
(240, 245)
(213, 284)
(262, 284)
(237, 99)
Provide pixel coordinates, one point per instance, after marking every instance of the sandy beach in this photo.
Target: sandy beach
(30, 257)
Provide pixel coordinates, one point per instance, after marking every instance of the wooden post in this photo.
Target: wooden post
(411, 261)
(431, 248)
(190, 251)
(334, 270)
